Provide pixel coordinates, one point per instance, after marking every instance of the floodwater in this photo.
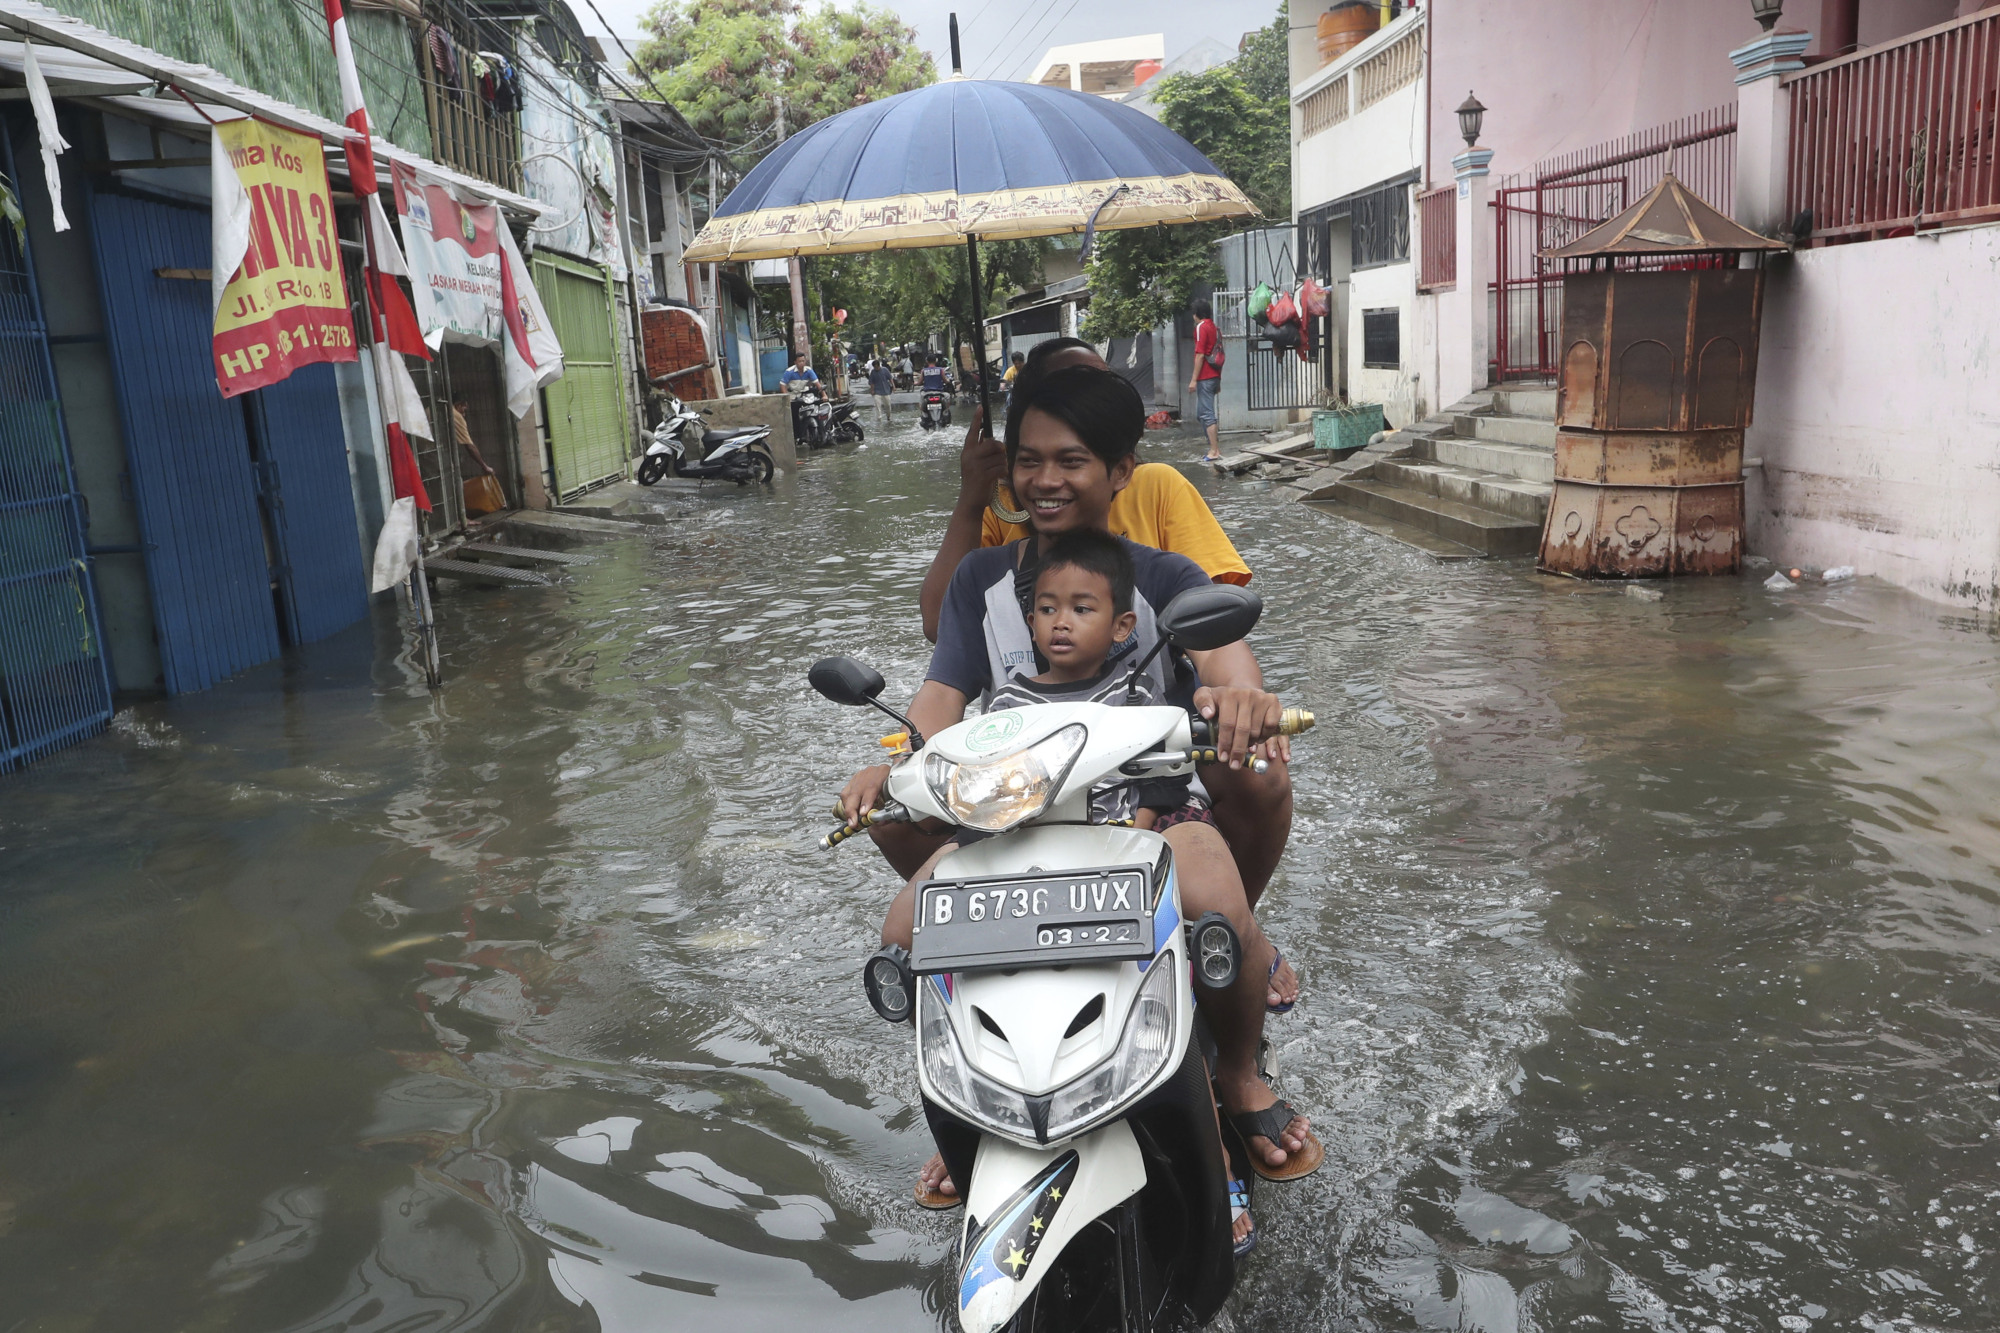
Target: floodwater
(1648, 948)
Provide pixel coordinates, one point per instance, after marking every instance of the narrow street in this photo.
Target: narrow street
(1648, 951)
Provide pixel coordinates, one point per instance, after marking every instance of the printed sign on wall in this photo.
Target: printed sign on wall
(281, 297)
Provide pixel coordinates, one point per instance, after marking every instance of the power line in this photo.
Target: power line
(1050, 33)
(1034, 40)
(1006, 48)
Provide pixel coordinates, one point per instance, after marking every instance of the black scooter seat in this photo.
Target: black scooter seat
(711, 438)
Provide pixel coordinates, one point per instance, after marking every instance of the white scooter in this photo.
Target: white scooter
(1050, 981)
(741, 455)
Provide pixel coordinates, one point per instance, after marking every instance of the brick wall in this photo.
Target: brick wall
(677, 355)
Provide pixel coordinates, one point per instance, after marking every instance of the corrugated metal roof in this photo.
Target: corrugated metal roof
(281, 48)
(98, 56)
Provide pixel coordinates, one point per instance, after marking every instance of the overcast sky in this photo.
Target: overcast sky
(1006, 38)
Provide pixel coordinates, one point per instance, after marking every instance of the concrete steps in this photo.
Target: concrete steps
(1482, 530)
(1438, 548)
(1531, 432)
(1499, 492)
(1472, 481)
(1527, 462)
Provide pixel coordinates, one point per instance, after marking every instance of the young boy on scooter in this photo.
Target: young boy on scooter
(1083, 625)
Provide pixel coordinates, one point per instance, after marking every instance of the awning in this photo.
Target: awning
(84, 61)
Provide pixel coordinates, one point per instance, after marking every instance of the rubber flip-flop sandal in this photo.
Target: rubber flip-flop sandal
(1239, 1205)
(1269, 1123)
(935, 1200)
(1277, 961)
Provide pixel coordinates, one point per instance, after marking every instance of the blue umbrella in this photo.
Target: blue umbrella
(963, 159)
(960, 160)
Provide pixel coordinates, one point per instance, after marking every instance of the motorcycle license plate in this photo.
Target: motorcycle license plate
(1034, 920)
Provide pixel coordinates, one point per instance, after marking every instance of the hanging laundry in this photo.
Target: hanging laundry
(444, 57)
(506, 92)
(45, 128)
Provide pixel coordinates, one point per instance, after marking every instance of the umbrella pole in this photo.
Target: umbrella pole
(978, 332)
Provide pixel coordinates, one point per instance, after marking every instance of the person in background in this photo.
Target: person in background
(881, 383)
(800, 376)
(1013, 373)
(909, 371)
(935, 379)
(462, 433)
(1207, 376)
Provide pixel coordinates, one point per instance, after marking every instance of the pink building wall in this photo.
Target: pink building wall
(1558, 75)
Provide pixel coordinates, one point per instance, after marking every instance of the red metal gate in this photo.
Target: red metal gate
(1563, 197)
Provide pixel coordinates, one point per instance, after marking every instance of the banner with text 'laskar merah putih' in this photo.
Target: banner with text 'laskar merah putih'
(280, 294)
(469, 284)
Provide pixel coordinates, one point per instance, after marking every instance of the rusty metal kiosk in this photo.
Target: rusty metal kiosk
(1659, 370)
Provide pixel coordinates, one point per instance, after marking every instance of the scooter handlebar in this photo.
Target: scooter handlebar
(892, 813)
(1291, 722)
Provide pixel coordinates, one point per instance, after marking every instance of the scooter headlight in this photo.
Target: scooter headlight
(977, 1098)
(1000, 793)
(1142, 1050)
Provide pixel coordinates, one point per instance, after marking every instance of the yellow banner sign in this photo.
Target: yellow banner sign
(286, 302)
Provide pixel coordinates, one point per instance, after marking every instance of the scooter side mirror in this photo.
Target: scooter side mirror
(845, 681)
(1203, 619)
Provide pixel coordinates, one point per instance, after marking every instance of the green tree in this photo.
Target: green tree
(901, 296)
(1239, 115)
(727, 64)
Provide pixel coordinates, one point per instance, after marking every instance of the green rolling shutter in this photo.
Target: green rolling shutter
(588, 433)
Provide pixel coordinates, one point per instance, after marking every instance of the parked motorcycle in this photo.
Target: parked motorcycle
(740, 455)
(844, 422)
(819, 421)
(1062, 1063)
(936, 413)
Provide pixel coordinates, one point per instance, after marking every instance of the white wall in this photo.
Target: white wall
(1384, 140)
(1558, 75)
(1397, 390)
(1875, 414)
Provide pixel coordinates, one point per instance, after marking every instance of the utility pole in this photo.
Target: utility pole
(713, 304)
(801, 332)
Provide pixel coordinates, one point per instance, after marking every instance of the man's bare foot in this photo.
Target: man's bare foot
(1284, 987)
(935, 1178)
(1254, 1094)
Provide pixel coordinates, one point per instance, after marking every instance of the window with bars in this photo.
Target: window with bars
(1381, 227)
(1382, 338)
(1380, 231)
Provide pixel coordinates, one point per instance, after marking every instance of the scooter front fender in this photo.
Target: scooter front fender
(1026, 1205)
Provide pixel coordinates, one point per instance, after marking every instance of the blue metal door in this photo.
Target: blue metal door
(302, 463)
(54, 686)
(185, 445)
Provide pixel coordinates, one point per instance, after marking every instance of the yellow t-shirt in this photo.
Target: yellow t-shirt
(1012, 371)
(1160, 508)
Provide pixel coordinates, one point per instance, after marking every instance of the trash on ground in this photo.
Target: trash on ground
(1645, 594)
(1778, 583)
(1838, 572)
(1755, 561)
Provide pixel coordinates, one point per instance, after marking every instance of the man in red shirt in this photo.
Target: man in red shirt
(1207, 375)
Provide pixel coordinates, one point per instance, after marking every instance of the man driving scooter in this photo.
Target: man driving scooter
(1160, 509)
(1070, 451)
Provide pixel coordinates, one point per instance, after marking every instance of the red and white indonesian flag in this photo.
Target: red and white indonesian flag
(471, 285)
